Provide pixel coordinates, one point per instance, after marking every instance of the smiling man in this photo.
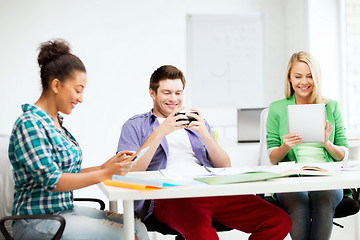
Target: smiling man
(178, 144)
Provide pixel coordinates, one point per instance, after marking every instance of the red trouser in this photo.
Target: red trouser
(191, 217)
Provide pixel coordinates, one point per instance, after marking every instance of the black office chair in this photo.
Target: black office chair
(154, 225)
(62, 221)
(348, 206)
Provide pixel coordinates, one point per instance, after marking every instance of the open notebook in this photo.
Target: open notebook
(265, 175)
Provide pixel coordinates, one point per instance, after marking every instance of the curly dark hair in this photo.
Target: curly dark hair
(56, 61)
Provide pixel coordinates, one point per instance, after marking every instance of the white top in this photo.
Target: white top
(181, 156)
(310, 153)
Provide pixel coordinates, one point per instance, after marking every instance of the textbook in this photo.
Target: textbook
(306, 170)
(239, 177)
(265, 175)
(137, 183)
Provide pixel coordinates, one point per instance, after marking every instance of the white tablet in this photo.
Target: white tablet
(308, 120)
(140, 154)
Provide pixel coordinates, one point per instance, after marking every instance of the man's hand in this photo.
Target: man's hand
(171, 123)
(198, 125)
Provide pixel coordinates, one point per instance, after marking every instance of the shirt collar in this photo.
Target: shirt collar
(39, 111)
(291, 99)
(151, 116)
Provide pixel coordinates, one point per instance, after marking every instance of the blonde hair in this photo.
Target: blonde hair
(307, 58)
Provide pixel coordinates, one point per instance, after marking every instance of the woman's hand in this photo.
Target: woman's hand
(290, 140)
(336, 152)
(120, 164)
(328, 131)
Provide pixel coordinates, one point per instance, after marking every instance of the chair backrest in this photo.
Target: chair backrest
(6, 180)
(263, 159)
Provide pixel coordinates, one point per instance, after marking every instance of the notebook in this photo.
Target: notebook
(239, 178)
(138, 183)
(308, 120)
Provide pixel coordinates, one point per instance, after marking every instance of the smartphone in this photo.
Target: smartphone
(187, 118)
(140, 154)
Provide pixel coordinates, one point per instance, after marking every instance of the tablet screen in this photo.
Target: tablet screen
(308, 120)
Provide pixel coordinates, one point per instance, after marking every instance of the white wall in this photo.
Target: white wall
(121, 43)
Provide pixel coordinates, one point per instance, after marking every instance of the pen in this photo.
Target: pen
(207, 169)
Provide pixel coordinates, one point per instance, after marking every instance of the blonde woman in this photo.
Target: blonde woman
(311, 212)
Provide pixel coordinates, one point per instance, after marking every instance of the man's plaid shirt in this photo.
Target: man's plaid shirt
(39, 154)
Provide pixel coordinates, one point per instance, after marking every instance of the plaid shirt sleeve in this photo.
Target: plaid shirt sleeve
(33, 152)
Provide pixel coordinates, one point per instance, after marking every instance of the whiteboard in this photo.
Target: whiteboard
(225, 60)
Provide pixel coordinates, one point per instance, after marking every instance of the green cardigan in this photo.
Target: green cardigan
(277, 126)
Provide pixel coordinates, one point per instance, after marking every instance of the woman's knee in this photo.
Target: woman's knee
(326, 199)
(294, 203)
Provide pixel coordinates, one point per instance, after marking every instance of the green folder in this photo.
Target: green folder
(240, 177)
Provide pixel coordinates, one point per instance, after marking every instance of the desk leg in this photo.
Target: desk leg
(113, 206)
(129, 232)
(357, 226)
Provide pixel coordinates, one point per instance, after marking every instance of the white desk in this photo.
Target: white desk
(340, 180)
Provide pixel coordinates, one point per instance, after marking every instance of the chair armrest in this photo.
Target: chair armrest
(57, 235)
(101, 202)
(346, 207)
(356, 194)
(261, 195)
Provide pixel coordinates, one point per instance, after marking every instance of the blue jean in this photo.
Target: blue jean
(81, 223)
(311, 212)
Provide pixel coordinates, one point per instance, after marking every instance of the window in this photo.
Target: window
(353, 63)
